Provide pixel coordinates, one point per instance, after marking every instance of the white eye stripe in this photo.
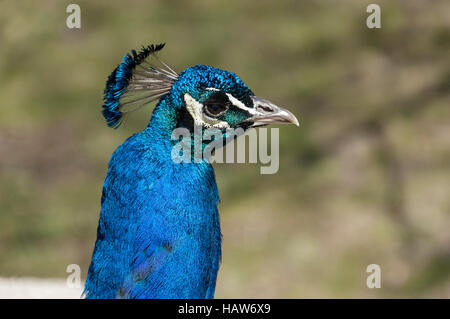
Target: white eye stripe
(240, 105)
(236, 102)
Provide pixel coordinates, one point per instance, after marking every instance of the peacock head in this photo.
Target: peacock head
(200, 96)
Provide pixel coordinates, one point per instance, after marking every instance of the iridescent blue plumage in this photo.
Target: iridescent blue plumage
(159, 233)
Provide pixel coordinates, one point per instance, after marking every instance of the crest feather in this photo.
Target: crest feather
(139, 79)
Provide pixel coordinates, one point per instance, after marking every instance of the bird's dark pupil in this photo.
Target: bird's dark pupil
(215, 108)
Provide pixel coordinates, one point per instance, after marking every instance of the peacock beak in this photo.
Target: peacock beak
(265, 112)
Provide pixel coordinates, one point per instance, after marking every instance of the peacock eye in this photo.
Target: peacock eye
(215, 109)
(216, 105)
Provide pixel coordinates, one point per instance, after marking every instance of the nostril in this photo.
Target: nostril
(265, 108)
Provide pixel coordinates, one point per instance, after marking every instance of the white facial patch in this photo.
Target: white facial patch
(195, 108)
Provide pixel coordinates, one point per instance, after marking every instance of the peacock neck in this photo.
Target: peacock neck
(159, 134)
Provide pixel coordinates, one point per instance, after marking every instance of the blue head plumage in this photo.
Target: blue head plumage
(159, 233)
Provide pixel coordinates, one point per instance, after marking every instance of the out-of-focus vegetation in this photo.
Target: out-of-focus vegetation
(365, 179)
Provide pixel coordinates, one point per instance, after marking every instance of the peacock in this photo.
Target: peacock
(159, 233)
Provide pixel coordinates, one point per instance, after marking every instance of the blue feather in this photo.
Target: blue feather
(118, 82)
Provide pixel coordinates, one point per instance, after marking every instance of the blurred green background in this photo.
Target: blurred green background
(365, 179)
